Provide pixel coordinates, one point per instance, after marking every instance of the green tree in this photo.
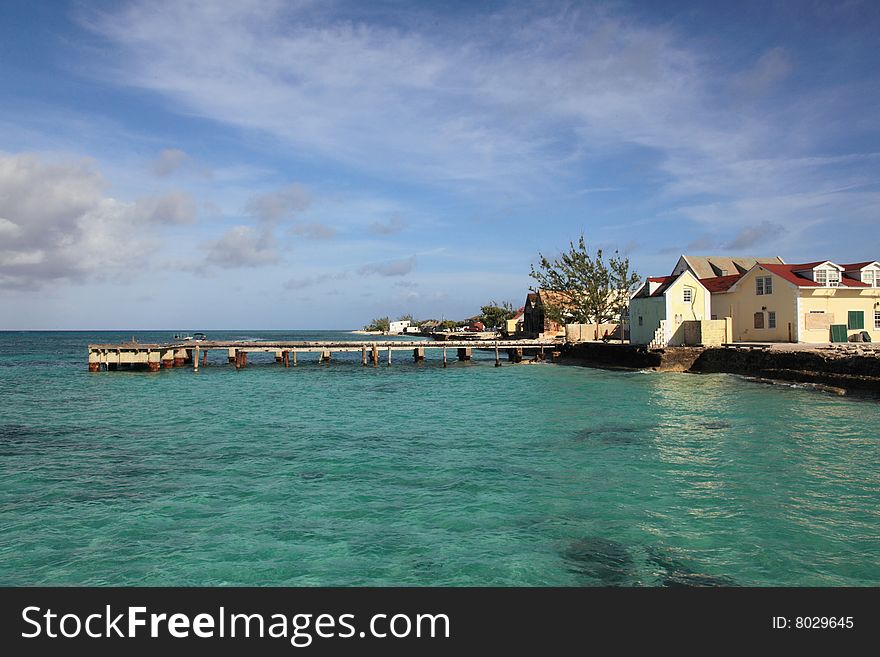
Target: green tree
(590, 289)
(380, 324)
(623, 282)
(493, 315)
(406, 318)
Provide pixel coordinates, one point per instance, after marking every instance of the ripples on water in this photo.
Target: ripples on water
(416, 475)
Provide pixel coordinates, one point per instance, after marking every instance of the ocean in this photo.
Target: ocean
(339, 475)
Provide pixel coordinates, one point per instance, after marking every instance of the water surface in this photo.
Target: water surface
(418, 475)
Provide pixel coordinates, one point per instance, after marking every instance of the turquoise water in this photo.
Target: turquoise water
(419, 475)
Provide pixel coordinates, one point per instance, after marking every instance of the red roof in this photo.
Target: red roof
(720, 283)
(788, 273)
(857, 265)
(665, 282)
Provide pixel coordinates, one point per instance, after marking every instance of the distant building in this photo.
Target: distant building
(398, 327)
(536, 323)
(515, 324)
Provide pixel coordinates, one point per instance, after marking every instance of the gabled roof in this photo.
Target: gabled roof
(788, 272)
(806, 266)
(644, 290)
(665, 282)
(856, 266)
(712, 266)
(720, 283)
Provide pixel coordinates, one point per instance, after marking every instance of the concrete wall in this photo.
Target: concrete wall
(706, 332)
(587, 332)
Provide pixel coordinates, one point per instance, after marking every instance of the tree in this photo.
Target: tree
(380, 324)
(406, 318)
(494, 314)
(623, 281)
(589, 289)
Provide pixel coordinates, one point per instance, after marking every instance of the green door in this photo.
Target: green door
(838, 333)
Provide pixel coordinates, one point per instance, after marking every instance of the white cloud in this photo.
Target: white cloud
(169, 161)
(58, 223)
(390, 268)
(242, 246)
(394, 225)
(280, 204)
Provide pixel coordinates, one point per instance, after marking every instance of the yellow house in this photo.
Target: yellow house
(658, 308)
(814, 302)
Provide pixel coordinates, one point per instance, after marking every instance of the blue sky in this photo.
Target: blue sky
(280, 164)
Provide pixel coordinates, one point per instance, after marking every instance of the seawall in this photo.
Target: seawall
(843, 370)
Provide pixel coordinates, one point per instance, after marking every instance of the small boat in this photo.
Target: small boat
(195, 337)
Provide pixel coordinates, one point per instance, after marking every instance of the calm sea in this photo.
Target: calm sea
(418, 475)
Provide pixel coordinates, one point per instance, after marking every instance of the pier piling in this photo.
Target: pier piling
(464, 353)
(419, 354)
(444, 356)
(497, 357)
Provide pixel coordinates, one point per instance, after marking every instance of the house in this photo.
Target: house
(514, 324)
(814, 302)
(536, 323)
(395, 328)
(714, 266)
(659, 309)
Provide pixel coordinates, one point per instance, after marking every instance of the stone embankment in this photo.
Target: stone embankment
(842, 369)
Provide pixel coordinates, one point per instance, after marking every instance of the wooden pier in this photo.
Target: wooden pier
(188, 353)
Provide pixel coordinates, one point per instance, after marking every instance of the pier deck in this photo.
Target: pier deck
(181, 353)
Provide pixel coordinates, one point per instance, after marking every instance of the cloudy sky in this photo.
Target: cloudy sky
(195, 165)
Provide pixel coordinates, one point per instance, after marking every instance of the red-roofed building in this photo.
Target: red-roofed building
(813, 302)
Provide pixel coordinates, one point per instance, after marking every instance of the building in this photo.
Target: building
(397, 327)
(660, 308)
(814, 302)
(535, 322)
(713, 266)
(515, 324)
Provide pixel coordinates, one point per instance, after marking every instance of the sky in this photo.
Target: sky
(290, 164)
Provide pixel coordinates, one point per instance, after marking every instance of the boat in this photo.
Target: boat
(195, 337)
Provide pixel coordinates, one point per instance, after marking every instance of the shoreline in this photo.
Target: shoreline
(839, 371)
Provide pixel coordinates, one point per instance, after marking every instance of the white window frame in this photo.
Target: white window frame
(687, 295)
(771, 319)
(821, 276)
(833, 278)
(763, 285)
(877, 320)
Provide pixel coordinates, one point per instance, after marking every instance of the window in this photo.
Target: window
(771, 319)
(877, 319)
(759, 320)
(688, 295)
(641, 320)
(870, 277)
(763, 285)
(827, 277)
(856, 320)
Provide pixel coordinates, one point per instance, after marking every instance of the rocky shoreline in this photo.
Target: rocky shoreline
(839, 370)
